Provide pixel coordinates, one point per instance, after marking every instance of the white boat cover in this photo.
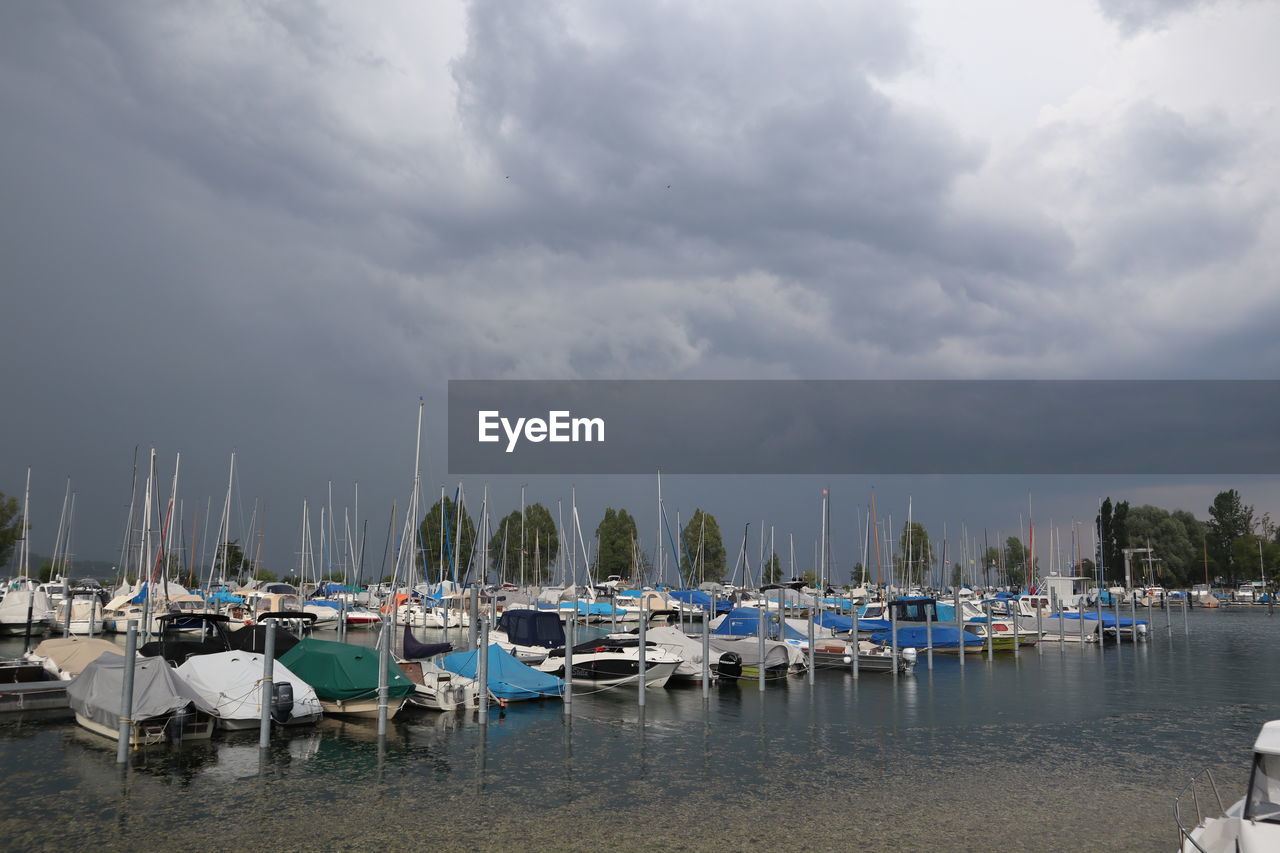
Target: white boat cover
(157, 690)
(230, 681)
(13, 610)
(72, 654)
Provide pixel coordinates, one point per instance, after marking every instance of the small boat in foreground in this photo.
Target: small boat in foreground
(165, 708)
(231, 683)
(1251, 825)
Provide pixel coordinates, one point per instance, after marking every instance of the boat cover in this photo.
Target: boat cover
(13, 610)
(1108, 619)
(532, 628)
(341, 672)
(157, 690)
(509, 679)
(916, 636)
(231, 683)
(415, 650)
(745, 622)
(835, 621)
(72, 654)
(701, 599)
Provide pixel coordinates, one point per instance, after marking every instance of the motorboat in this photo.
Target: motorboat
(165, 708)
(434, 687)
(231, 682)
(1252, 824)
(16, 606)
(66, 657)
(345, 677)
(613, 660)
(26, 685)
(529, 635)
(508, 679)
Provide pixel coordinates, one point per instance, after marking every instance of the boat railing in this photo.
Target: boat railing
(1184, 834)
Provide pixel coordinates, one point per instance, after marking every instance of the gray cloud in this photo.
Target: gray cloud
(1133, 16)
(272, 229)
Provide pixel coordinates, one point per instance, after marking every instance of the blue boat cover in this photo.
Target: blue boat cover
(698, 598)
(509, 679)
(745, 622)
(532, 628)
(1108, 619)
(916, 636)
(835, 621)
(324, 602)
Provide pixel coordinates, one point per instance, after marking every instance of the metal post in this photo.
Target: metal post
(1117, 609)
(268, 664)
(893, 634)
(928, 634)
(813, 652)
(383, 662)
(342, 620)
(760, 631)
(706, 650)
(482, 673)
(644, 624)
(1168, 614)
(1133, 615)
(1097, 605)
(1040, 625)
(125, 732)
(959, 627)
(991, 634)
(473, 620)
(1010, 605)
(1186, 625)
(568, 666)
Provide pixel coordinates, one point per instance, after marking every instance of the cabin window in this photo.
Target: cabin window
(1264, 789)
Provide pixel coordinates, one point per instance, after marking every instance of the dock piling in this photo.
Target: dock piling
(268, 666)
(126, 696)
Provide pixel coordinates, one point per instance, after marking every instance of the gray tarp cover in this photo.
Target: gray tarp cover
(157, 690)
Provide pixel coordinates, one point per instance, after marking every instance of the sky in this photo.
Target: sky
(270, 228)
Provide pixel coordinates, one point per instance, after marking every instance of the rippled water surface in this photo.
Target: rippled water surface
(1059, 749)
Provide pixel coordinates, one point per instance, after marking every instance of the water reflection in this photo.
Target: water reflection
(1084, 722)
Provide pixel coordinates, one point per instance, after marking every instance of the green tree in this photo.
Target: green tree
(810, 578)
(1229, 519)
(10, 527)
(1113, 538)
(541, 545)
(772, 571)
(617, 535)
(701, 540)
(913, 544)
(236, 565)
(1015, 562)
(1174, 538)
(454, 545)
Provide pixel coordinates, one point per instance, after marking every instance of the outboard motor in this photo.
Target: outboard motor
(730, 665)
(177, 722)
(281, 701)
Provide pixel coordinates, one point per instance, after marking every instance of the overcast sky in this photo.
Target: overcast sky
(271, 227)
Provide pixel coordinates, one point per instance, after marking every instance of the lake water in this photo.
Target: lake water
(1065, 749)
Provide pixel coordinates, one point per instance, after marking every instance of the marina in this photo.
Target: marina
(1088, 742)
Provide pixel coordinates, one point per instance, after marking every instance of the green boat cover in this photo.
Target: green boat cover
(341, 671)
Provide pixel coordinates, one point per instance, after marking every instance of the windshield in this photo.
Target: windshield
(1264, 789)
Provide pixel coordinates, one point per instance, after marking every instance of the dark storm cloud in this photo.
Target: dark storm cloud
(272, 227)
